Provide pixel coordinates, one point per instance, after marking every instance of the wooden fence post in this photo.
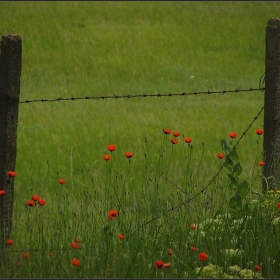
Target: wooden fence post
(271, 144)
(10, 71)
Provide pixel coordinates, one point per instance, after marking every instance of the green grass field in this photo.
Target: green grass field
(119, 48)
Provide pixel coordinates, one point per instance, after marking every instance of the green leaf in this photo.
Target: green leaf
(233, 155)
(235, 203)
(237, 170)
(233, 183)
(225, 146)
(243, 189)
(228, 163)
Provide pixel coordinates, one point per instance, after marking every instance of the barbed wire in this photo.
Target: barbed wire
(42, 100)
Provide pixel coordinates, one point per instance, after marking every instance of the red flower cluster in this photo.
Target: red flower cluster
(41, 201)
(188, 139)
(232, 134)
(30, 203)
(129, 155)
(259, 131)
(121, 237)
(35, 198)
(257, 267)
(220, 156)
(9, 242)
(192, 248)
(112, 214)
(261, 163)
(160, 264)
(176, 134)
(2, 192)
(12, 174)
(166, 131)
(74, 245)
(192, 227)
(174, 141)
(203, 256)
(107, 157)
(61, 181)
(76, 262)
(111, 148)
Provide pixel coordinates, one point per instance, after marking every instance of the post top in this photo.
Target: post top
(274, 22)
(13, 37)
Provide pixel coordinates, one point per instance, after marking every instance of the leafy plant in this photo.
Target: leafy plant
(239, 188)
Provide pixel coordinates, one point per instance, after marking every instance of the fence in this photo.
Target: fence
(10, 71)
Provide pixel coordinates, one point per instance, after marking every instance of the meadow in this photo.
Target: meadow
(119, 48)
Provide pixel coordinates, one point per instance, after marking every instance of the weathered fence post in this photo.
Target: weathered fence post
(10, 70)
(271, 144)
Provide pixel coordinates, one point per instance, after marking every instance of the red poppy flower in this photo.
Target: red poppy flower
(74, 245)
(174, 141)
(188, 139)
(128, 155)
(112, 148)
(278, 205)
(259, 131)
(26, 256)
(12, 174)
(193, 248)
(257, 267)
(176, 134)
(232, 134)
(203, 256)
(35, 197)
(167, 264)
(61, 181)
(30, 203)
(106, 157)
(166, 131)
(261, 163)
(192, 227)
(76, 262)
(50, 254)
(41, 201)
(78, 240)
(2, 192)
(112, 214)
(170, 252)
(221, 156)
(121, 236)
(159, 265)
(9, 242)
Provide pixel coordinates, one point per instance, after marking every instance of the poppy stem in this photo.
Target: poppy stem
(189, 156)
